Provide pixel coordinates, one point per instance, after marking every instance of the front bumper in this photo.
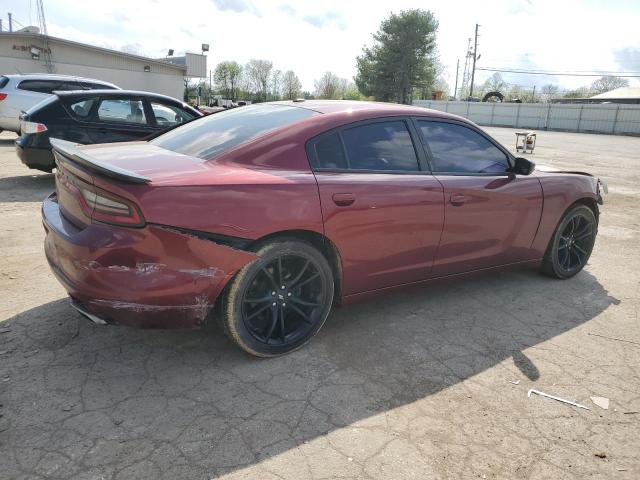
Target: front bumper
(151, 277)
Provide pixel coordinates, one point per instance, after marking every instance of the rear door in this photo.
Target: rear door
(380, 206)
(491, 214)
(120, 119)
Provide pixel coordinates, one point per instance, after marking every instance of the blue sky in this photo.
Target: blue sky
(311, 37)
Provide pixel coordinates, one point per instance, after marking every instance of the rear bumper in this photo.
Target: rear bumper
(150, 277)
(38, 158)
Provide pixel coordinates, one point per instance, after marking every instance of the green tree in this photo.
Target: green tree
(258, 74)
(227, 76)
(580, 92)
(608, 83)
(495, 83)
(401, 59)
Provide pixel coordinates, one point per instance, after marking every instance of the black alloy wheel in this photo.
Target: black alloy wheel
(277, 303)
(572, 243)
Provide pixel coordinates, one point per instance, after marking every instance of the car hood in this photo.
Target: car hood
(548, 169)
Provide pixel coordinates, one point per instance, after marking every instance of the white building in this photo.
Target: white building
(27, 52)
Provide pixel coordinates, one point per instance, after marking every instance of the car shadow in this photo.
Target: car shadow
(96, 395)
(26, 188)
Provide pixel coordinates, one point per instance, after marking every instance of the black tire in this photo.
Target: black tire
(571, 244)
(267, 320)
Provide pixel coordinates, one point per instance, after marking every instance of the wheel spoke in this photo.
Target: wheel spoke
(257, 312)
(584, 236)
(270, 277)
(580, 249)
(274, 321)
(299, 301)
(579, 259)
(282, 333)
(292, 283)
(304, 316)
(280, 276)
(267, 298)
(304, 282)
(567, 260)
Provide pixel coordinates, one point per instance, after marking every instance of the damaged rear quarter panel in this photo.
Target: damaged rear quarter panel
(152, 276)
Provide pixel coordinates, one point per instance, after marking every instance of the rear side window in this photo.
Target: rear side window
(4, 81)
(380, 146)
(169, 115)
(329, 152)
(40, 86)
(458, 149)
(125, 111)
(83, 108)
(207, 137)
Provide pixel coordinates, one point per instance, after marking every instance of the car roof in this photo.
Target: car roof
(365, 107)
(115, 93)
(53, 76)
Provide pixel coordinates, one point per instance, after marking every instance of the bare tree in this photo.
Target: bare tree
(257, 74)
(291, 85)
(608, 83)
(330, 86)
(549, 92)
(276, 85)
(227, 77)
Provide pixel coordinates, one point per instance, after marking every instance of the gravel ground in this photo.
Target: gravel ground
(428, 383)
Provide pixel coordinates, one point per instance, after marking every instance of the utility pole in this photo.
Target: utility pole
(533, 95)
(475, 56)
(455, 90)
(10, 23)
(210, 98)
(465, 73)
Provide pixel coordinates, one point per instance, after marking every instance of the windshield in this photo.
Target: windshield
(211, 135)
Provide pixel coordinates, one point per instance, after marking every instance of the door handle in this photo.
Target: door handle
(343, 199)
(457, 200)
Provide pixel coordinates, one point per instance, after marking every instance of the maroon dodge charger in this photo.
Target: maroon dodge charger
(263, 217)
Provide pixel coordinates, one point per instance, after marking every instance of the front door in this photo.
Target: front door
(491, 214)
(380, 208)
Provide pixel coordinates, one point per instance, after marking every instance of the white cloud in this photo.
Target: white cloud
(312, 37)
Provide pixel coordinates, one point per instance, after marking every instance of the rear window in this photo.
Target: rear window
(4, 81)
(211, 135)
(40, 86)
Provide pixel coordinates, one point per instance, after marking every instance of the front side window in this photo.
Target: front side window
(211, 135)
(380, 146)
(40, 86)
(169, 115)
(127, 111)
(458, 149)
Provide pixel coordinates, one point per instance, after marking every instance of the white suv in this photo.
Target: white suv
(18, 93)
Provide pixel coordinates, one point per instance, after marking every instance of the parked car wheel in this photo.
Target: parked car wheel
(277, 303)
(571, 244)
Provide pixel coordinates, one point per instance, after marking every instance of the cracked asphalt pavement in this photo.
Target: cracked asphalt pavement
(428, 383)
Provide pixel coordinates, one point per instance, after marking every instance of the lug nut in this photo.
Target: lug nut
(289, 294)
(284, 304)
(274, 304)
(282, 287)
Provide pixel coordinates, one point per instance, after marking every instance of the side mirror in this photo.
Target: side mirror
(523, 166)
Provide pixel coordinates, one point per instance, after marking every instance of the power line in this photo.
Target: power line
(564, 74)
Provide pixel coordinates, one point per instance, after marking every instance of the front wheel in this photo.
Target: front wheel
(571, 244)
(277, 303)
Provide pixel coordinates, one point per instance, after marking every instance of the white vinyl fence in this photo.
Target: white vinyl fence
(618, 119)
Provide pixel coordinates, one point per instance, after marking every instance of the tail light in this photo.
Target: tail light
(32, 127)
(3, 96)
(102, 206)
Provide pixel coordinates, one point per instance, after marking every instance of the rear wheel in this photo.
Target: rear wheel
(277, 303)
(571, 244)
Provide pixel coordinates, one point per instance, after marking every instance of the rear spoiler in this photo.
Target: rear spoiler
(71, 151)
